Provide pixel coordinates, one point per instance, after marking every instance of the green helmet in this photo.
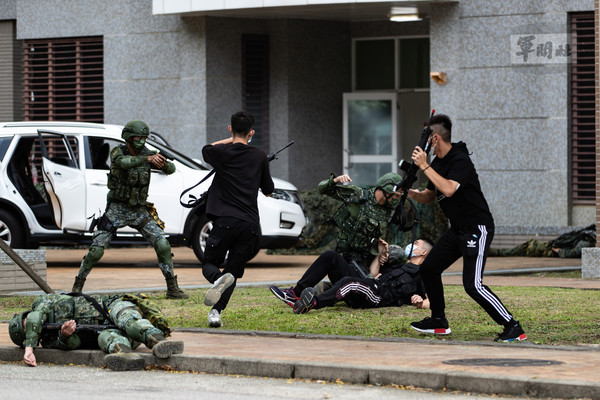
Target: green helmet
(389, 181)
(135, 128)
(15, 328)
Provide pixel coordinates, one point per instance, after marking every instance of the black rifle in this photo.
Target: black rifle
(166, 155)
(196, 201)
(79, 328)
(410, 176)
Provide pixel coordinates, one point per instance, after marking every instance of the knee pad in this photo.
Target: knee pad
(140, 329)
(122, 312)
(93, 255)
(109, 337)
(163, 251)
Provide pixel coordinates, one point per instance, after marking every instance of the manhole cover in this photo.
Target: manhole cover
(502, 362)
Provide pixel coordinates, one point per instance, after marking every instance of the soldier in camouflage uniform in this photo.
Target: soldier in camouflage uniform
(567, 245)
(128, 183)
(361, 220)
(27, 330)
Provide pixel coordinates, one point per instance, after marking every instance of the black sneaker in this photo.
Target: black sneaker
(307, 301)
(512, 333)
(438, 326)
(286, 295)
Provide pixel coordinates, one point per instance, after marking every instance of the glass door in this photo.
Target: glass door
(370, 136)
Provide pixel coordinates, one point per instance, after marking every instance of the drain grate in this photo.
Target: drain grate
(502, 362)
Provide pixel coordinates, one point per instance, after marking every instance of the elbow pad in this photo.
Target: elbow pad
(33, 329)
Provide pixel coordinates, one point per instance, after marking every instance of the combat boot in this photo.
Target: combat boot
(162, 348)
(173, 291)
(123, 359)
(78, 284)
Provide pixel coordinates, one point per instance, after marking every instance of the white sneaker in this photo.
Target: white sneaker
(213, 295)
(214, 319)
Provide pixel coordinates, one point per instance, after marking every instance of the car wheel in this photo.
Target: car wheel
(199, 236)
(10, 231)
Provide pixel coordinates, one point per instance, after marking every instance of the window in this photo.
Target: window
(63, 80)
(255, 85)
(391, 63)
(582, 109)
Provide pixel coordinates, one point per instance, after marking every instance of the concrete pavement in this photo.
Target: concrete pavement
(520, 369)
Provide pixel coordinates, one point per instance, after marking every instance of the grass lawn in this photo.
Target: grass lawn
(549, 316)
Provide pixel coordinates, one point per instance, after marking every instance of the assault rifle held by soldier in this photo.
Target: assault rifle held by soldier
(80, 327)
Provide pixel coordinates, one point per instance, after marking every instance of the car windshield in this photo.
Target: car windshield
(171, 152)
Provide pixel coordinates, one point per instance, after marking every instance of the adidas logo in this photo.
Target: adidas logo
(471, 243)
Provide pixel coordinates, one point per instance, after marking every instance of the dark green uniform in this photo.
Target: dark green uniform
(52, 308)
(128, 183)
(360, 219)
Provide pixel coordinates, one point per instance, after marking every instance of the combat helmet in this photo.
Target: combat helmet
(15, 328)
(389, 181)
(135, 128)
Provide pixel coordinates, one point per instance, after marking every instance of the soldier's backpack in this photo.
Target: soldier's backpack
(150, 311)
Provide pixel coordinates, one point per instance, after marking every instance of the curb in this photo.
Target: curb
(431, 379)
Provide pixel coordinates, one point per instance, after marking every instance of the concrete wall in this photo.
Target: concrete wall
(13, 278)
(154, 66)
(309, 71)
(514, 118)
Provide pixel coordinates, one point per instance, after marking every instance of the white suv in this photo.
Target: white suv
(53, 182)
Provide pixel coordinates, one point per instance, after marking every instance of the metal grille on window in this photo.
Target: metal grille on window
(255, 85)
(582, 109)
(64, 79)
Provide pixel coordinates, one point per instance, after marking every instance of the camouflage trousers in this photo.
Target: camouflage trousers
(139, 218)
(133, 328)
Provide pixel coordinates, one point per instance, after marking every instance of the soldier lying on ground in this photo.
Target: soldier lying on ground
(399, 283)
(68, 311)
(567, 245)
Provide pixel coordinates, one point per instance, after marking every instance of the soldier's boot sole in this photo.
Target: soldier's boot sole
(124, 362)
(166, 348)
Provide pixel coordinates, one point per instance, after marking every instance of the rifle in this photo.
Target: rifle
(196, 201)
(166, 155)
(410, 176)
(273, 156)
(54, 326)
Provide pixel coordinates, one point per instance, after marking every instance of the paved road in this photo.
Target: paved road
(19, 382)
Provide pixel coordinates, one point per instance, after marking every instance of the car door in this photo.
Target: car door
(63, 179)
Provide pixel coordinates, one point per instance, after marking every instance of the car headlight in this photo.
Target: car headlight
(287, 195)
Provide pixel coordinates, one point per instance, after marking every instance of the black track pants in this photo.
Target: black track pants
(472, 244)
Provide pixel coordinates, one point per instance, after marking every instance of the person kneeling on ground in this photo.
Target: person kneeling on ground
(78, 321)
(399, 284)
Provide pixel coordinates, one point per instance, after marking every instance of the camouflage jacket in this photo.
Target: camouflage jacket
(129, 177)
(361, 221)
(54, 308)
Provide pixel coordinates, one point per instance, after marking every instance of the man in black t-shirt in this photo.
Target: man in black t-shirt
(241, 170)
(454, 182)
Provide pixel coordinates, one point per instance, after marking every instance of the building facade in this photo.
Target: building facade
(349, 86)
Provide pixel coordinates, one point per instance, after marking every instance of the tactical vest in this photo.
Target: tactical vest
(129, 186)
(398, 285)
(361, 224)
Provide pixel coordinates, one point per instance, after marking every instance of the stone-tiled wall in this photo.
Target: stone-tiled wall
(154, 65)
(13, 278)
(513, 117)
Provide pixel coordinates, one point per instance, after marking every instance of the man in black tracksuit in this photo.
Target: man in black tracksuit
(398, 285)
(241, 170)
(454, 182)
